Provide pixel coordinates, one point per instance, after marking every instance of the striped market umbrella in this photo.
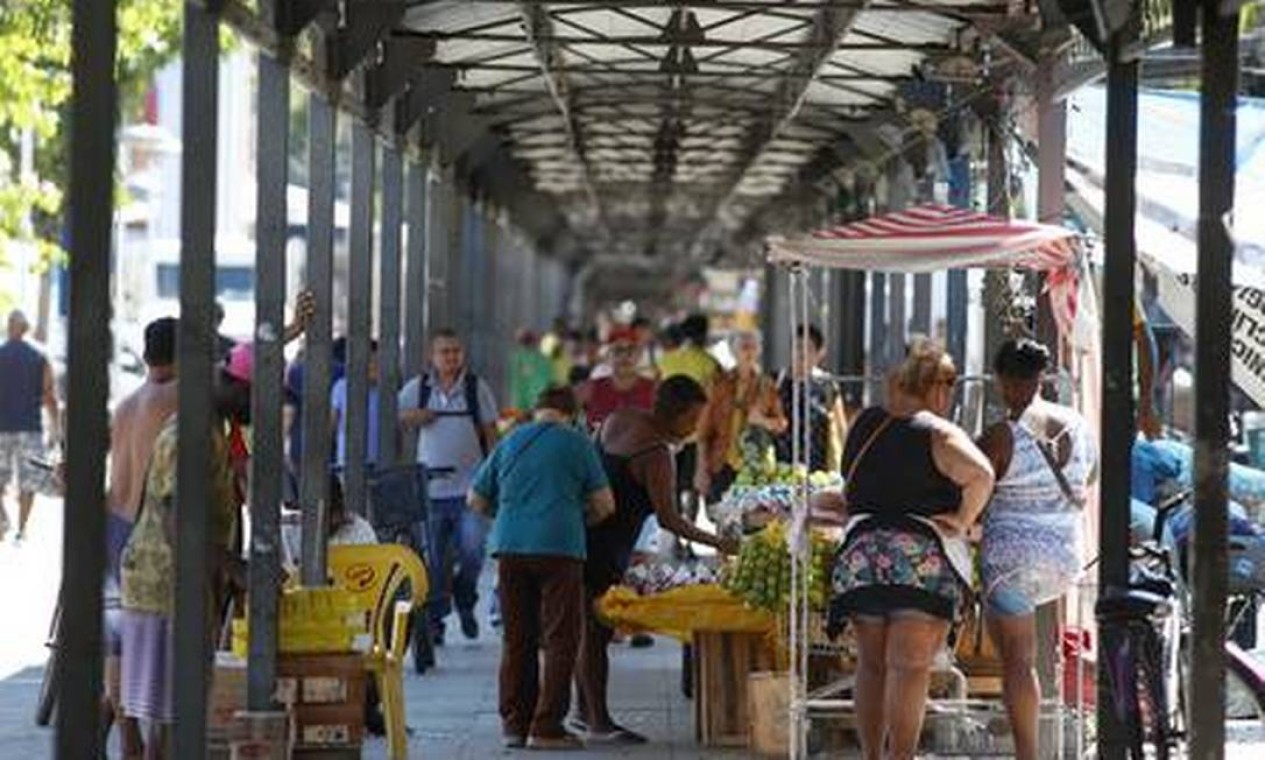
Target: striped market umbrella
(931, 238)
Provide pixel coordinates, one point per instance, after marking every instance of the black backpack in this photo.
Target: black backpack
(471, 389)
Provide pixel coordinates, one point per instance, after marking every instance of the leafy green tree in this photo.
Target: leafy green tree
(35, 89)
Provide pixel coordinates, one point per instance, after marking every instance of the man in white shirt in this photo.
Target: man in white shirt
(454, 415)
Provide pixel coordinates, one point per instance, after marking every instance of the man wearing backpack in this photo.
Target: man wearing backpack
(454, 415)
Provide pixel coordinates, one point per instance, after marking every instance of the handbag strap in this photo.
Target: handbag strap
(1046, 447)
(518, 455)
(865, 447)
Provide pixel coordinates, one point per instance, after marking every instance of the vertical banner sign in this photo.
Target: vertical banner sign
(1247, 352)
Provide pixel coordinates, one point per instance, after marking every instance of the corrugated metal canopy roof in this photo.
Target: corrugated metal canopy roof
(642, 116)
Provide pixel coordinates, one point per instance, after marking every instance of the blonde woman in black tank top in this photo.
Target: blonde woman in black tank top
(916, 482)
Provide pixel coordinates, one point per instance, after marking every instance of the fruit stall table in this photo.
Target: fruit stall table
(736, 626)
(730, 639)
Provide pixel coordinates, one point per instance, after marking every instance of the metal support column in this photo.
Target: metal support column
(957, 291)
(1117, 392)
(1051, 175)
(267, 460)
(415, 290)
(896, 316)
(773, 309)
(438, 241)
(878, 333)
(995, 279)
(93, 108)
(389, 302)
(197, 359)
(850, 329)
(920, 319)
(1214, 340)
(317, 351)
(1051, 171)
(359, 312)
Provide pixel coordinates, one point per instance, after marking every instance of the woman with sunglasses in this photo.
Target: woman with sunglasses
(914, 483)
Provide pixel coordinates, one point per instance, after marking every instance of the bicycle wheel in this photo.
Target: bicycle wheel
(1154, 710)
(51, 680)
(48, 690)
(1119, 646)
(1244, 685)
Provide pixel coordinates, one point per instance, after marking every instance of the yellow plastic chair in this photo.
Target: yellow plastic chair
(375, 573)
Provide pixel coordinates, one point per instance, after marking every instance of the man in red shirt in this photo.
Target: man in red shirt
(624, 387)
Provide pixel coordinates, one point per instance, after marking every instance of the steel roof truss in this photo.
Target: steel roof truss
(539, 29)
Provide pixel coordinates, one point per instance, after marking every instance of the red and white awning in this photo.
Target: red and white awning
(930, 238)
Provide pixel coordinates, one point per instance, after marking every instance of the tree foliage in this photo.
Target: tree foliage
(35, 89)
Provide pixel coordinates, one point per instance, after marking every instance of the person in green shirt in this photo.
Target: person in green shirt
(530, 371)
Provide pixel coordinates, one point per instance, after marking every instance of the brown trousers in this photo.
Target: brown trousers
(542, 606)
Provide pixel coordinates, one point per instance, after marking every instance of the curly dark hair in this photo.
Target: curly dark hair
(1022, 358)
(678, 395)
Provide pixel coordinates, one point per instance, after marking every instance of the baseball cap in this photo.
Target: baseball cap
(240, 364)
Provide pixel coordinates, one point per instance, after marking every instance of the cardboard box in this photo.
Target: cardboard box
(326, 696)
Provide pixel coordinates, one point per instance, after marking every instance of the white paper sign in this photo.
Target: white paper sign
(1247, 350)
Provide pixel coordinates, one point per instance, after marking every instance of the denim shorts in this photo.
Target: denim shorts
(1009, 600)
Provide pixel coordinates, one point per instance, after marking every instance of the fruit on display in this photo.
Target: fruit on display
(761, 574)
(820, 568)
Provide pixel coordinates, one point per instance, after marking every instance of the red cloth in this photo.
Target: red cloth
(604, 398)
(239, 459)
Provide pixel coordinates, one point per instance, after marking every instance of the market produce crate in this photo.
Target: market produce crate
(227, 697)
(768, 700)
(326, 695)
(722, 664)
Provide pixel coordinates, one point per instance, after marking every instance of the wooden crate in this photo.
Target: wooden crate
(722, 662)
(326, 694)
(226, 698)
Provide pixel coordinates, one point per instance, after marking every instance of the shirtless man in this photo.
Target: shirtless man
(635, 446)
(138, 420)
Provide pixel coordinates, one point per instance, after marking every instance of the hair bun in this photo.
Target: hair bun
(924, 365)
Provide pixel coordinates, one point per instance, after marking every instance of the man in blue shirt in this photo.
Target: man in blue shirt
(543, 483)
(338, 408)
(26, 388)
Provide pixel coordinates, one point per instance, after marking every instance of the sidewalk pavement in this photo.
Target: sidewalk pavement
(452, 710)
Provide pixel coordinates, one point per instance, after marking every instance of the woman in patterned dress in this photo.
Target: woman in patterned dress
(1031, 554)
(915, 483)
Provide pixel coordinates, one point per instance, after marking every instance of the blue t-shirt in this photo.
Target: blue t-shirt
(538, 481)
(22, 394)
(294, 397)
(338, 405)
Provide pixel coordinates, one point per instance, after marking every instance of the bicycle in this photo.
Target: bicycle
(1145, 636)
(51, 681)
(401, 508)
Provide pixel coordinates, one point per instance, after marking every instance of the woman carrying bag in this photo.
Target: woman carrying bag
(915, 483)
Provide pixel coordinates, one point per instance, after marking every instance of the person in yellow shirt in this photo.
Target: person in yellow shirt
(691, 358)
